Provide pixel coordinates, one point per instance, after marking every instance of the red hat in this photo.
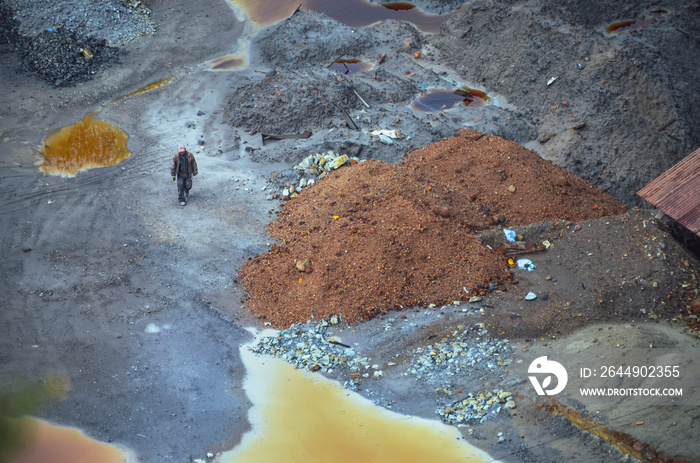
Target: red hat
(181, 148)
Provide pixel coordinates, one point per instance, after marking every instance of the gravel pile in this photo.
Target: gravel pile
(70, 41)
(116, 21)
(60, 57)
(311, 347)
(466, 351)
(8, 25)
(476, 407)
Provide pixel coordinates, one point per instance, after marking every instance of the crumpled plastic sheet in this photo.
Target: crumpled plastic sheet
(526, 264)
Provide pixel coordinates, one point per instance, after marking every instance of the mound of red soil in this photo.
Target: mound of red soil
(376, 236)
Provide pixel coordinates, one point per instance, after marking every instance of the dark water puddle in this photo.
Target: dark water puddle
(399, 6)
(349, 66)
(42, 442)
(441, 99)
(87, 144)
(619, 27)
(302, 416)
(234, 62)
(353, 13)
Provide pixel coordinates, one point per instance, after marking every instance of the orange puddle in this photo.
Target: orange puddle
(353, 13)
(87, 144)
(300, 416)
(147, 88)
(43, 443)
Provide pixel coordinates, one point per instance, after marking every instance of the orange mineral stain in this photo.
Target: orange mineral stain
(302, 416)
(87, 144)
(43, 442)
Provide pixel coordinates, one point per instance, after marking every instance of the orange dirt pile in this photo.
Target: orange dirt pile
(376, 236)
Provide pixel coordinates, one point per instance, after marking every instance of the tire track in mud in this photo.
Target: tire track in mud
(141, 167)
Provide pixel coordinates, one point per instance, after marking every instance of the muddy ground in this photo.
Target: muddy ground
(89, 262)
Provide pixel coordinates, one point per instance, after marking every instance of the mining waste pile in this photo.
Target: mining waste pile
(415, 234)
(71, 51)
(60, 57)
(375, 237)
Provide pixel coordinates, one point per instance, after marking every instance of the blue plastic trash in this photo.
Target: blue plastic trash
(526, 264)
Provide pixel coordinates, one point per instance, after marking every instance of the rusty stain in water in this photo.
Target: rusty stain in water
(441, 99)
(353, 13)
(618, 27)
(301, 416)
(42, 442)
(87, 144)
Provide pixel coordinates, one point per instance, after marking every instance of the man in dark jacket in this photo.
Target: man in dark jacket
(182, 169)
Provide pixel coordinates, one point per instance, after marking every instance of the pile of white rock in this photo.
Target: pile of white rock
(315, 167)
(311, 347)
(476, 407)
(464, 351)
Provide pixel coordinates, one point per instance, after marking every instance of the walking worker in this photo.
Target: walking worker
(182, 169)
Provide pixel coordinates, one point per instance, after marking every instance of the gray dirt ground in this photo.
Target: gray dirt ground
(112, 252)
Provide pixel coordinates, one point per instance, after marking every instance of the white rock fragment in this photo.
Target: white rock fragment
(152, 328)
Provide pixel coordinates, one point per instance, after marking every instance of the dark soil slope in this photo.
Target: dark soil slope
(635, 89)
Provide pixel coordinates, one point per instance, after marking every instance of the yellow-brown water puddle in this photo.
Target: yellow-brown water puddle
(301, 416)
(42, 442)
(144, 89)
(353, 13)
(87, 144)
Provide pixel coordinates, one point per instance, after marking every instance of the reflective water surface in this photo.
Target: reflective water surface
(43, 442)
(300, 416)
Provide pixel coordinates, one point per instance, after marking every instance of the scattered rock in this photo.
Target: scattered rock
(307, 346)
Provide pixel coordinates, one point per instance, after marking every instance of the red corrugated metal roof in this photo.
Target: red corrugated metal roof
(677, 192)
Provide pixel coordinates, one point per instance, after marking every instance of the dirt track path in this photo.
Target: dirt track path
(114, 257)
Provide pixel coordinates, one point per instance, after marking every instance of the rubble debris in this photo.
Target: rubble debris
(315, 167)
(465, 351)
(476, 407)
(311, 347)
(385, 136)
(59, 57)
